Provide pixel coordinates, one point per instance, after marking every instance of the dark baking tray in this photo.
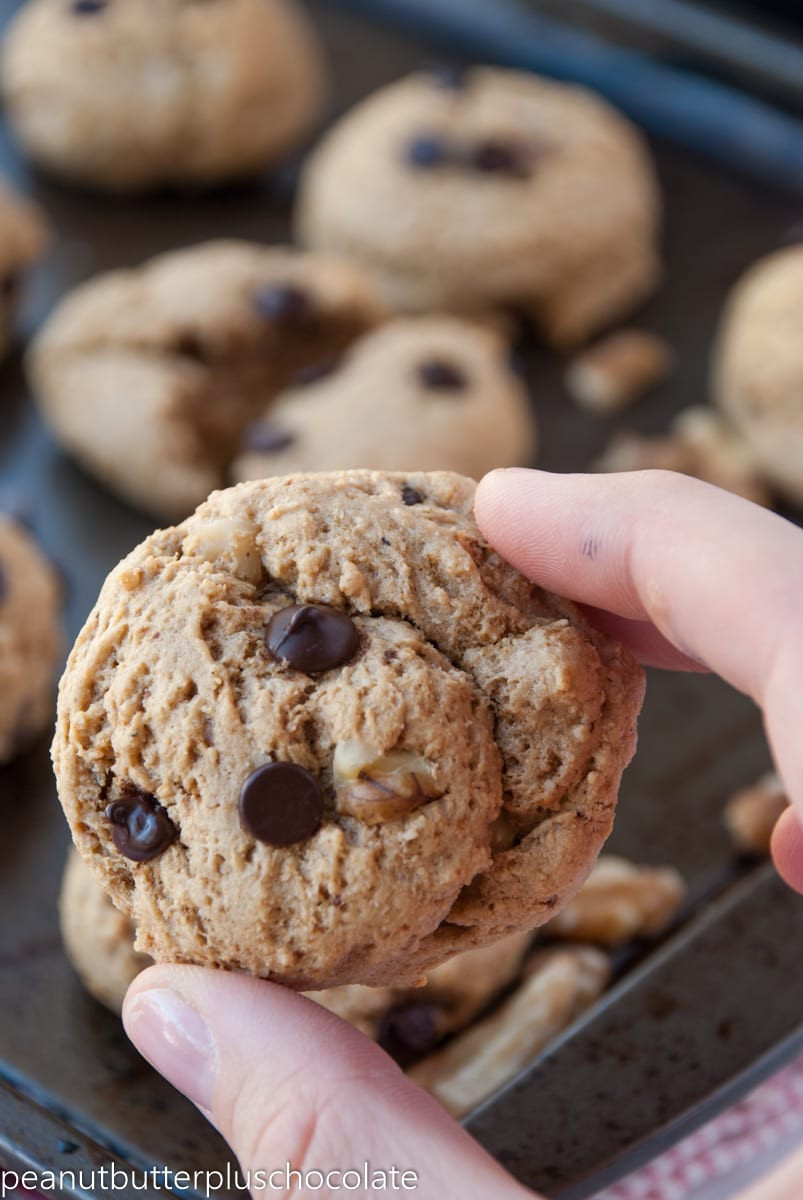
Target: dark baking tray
(697, 1021)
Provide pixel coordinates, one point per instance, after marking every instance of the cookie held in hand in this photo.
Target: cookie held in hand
(422, 756)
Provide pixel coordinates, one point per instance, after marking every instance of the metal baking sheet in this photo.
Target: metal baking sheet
(697, 1020)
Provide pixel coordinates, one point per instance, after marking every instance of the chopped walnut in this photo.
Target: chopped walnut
(620, 901)
(228, 544)
(375, 787)
(751, 813)
(699, 443)
(617, 371)
(561, 984)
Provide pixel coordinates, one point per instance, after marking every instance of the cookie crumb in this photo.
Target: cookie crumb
(617, 371)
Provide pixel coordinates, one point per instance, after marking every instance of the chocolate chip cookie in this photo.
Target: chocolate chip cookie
(321, 733)
(427, 392)
(127, 94)
(30, 638)
(149, 377)
(758, 368)
(487, 190)
(23, 234)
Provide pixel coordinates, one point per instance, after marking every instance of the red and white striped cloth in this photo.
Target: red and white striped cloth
(729, 1153)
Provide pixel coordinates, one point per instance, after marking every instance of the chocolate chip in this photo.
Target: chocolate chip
(285, 303)
(411, 495)
(452, 77)
(427, 151)
(311, 637)
(314, 372)
(281, 803)
(441, 376)
(494, 156)
(408, 1031)
(141, 827)
(266, 438)
(85, 8)
(189, 345)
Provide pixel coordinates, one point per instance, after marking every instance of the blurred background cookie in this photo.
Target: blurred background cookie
(30, 638)
(486, 189)
(23, 234)
(758, 367)
(128, 94)
(149, 377)
(427, 392)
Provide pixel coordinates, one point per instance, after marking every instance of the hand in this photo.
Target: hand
(690, 578)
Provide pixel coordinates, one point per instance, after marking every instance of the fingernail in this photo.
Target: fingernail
(176, 1040)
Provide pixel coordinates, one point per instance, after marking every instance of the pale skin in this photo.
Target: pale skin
(690, 578)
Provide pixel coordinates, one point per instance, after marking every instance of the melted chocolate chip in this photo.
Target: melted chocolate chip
(494, 156)
(281, 803)
(284, 303)
(411, 495)
(311, 637)
(408, 1031)
(428, 151)
(452, 77)
(267, 439)
(441, 376)
(141, 828)
(86, 8)
(314, 372)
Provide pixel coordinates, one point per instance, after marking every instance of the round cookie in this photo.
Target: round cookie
(30, 638)
(23, 234)
(488, 190)
(99, 942)
(321, 733)
(128, 94)
(758, 367)
(98, 938)
(149, 376)
(430, 393)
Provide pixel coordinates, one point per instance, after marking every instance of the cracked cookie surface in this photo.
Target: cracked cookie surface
(125, 94)
(148, 377)
(463, 751)
(490, 190)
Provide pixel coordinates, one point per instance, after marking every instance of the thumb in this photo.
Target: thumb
(286, 1082)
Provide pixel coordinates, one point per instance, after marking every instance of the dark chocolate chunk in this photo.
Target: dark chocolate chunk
(281, 803)
(285, 303)
(427, 151)
(314, 372)
(311, 637)
(451, 77)
(441, 376)
(86, 8)
(141, 828)
(497, 157)
(411, 495)
(409, 1031)
(266, 438)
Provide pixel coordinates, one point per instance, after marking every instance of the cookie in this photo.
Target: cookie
(425, 393)
(98, 938)
(408, 1022)
(321, 733)
(125, 95)
(23, 234)
(758, 367)
(148, 377)
(30, 638)
(490, 190)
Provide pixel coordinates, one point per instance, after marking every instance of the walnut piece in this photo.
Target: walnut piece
(561, 984)
(229, 545)
(699, 443)
(620, 901)
(618, 370)
(376, 787)
(751, 813)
